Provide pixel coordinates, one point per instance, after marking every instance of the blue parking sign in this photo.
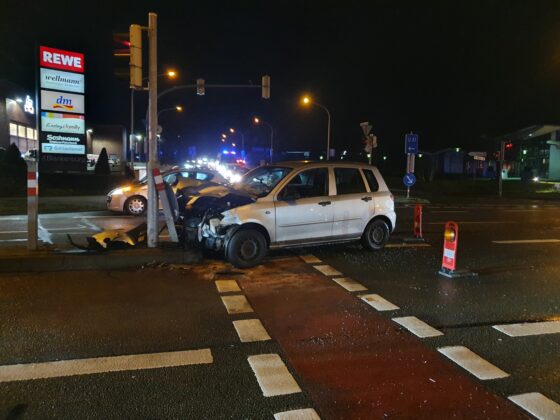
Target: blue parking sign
(411, 144)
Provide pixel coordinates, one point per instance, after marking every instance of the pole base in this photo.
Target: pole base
(454, 274)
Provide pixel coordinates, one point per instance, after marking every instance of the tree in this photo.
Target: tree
(12, 157)
(102, 165)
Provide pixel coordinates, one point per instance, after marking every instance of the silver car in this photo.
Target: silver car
(292, 204)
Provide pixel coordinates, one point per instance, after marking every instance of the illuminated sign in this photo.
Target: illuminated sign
(28, 106)
(60, 59)
(62, 80)
(60, 101)
(62, 123)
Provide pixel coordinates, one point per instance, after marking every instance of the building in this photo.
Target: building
(17, 117)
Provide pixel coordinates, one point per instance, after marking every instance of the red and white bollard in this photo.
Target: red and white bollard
(449, 259)
(32, 206)
(418, 222)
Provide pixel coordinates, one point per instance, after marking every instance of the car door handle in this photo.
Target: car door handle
(366, 199)
(324, 203)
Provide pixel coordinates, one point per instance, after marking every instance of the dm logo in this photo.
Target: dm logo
(63, 103)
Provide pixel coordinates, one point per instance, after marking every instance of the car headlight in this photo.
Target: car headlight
(119, 191)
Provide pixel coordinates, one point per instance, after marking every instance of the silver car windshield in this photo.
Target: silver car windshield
(260, 181)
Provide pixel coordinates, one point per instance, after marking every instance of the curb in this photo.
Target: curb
(111, 260)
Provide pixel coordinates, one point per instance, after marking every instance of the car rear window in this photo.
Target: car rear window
(371, 180)
(349, 181)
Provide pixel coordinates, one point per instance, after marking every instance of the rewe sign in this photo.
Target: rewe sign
(60, 59)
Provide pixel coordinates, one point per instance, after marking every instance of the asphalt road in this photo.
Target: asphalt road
(347, 358)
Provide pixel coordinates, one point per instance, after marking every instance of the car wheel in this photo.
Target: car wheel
(135, 206)
(375, 235)
(246, 248)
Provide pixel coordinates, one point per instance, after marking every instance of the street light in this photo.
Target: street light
(177, 108)
(232, 131)
(306, 100)
(257, 120)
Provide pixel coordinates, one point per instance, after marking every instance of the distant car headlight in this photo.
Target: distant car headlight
(235, 178)
(536, 179)
(120, 191)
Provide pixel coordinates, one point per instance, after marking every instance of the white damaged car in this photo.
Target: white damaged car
(291, 204)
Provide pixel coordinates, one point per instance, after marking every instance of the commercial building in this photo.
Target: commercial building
(17, 117)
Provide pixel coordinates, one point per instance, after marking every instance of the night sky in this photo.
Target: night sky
(457, 73)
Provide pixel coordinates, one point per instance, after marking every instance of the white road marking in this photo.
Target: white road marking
(538, 405)
(44, 235)
(450, 211)
(13, 240)
(349, 284)
(310, 259)
(379, 303)
(236, 304)
(30, 371)
(405, 245)
(303, 414)
(250, 330)
(68, 228)
(272, 375)
(104, 217)
(91, 225)
(417, 327)
(13, 231)
(528, 241)
(327, 270)
(529, 328)
(224, 286)
(472, 362)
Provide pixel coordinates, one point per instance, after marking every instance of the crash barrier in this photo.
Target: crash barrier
(167, 211)
(32, 206)
(449, 259)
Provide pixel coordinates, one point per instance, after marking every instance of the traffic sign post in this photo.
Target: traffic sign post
(411, 149)
(409, 180)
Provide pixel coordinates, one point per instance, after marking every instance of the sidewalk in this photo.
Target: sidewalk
(19, 259)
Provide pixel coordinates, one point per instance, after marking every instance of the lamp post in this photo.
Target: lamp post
(232, 131)
(257, 120)
(306, 100)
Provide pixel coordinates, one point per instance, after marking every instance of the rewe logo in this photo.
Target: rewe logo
(64, 103)
(60, 59)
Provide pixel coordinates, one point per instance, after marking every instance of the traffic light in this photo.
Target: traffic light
(121, 54)
(265, 85)
(200, 89)
(135, 45)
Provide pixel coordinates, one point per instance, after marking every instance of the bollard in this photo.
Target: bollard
(169, 219)
(32, 206)
(418, 222)
(449, 259)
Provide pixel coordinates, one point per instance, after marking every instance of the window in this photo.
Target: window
(371, 180)
(202, 176)
(21, 131)
(170, 179)
(349, 181)
(13, 129)
(29, 133)
(307, 184)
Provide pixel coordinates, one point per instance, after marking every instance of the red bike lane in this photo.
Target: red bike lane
(355, 363)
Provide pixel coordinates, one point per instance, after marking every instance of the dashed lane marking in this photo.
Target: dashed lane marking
(379, 303)
(272, 375)
(450, 211)
(327, 270)
(471, 222)
(225, 286)
(349, 284)
(236, 304)
(303, 414)
(538, 405)
(310, 259)
(473, 363)
(528, 241)
(13, 240)
(250, 330)
(529, 328)
(25, 372)
(405, 245)
(417, 327)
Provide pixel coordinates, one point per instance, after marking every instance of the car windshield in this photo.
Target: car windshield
(260, 181)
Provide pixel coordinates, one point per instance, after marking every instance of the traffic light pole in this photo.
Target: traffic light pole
(152, 124)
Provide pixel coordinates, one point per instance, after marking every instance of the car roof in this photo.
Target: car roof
(296, 164)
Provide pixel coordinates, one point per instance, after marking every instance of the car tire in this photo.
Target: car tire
(136, 205)
(246, 248)
(375, 235)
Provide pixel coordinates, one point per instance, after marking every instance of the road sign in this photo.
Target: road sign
(409, 180)
(411, 143)
(366, 127)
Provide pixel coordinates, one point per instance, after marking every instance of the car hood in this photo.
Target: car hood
(215, 199)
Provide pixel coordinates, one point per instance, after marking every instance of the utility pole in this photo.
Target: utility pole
(152, 124)
(131, 136)
(502, 152)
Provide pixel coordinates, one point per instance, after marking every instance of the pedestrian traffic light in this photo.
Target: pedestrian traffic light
(265, 85)
(135, 56)
(200, 90)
